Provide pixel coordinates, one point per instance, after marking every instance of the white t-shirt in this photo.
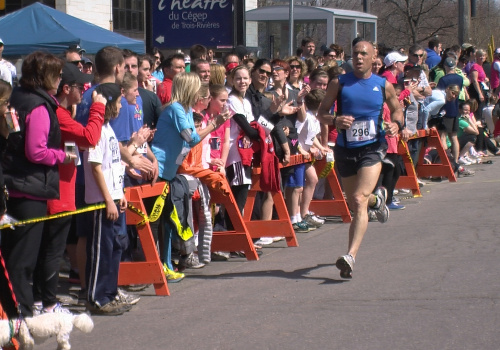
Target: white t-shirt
(236, 106)
(496, 66)
(106, 153)
(487, 115)
(308, 130)
(5, 74)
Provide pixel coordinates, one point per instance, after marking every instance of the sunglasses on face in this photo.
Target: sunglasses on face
(278, 68)
(76, 63)
(416, 55)
(295, 66)
(79, 87)
(263, 71)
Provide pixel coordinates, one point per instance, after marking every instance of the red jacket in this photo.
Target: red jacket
(269, 175)
(85, 137)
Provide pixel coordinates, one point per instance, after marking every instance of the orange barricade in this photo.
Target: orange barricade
(231, 241)
(151, 270)
(427, 170)
(430, 138)
(331, 207)
(282, 227)
(408, 181)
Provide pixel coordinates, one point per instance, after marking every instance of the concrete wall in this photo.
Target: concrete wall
(97, 12)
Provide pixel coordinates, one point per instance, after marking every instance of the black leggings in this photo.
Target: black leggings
(46, 275)
(390, 174)
(20, 249)
(240, 194)
(483, 143)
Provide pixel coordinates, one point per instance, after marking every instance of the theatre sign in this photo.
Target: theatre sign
(183, 23)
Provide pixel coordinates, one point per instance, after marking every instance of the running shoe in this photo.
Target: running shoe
(404, 191)
(310, 227)
(463, 172)
(112, 308)
(172, 276)
(372, 217)
(300, 227)
(264, 241)
(220, 256)
(126, 298)
(37, 309)
(312, 220)
(191, 261)
(382, 211)
(464, 161)
(395, 206)
(345, 264)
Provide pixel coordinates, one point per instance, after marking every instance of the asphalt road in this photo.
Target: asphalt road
(427, 279)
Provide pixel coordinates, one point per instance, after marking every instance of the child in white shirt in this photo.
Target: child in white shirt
(308, 142)
(104, 173)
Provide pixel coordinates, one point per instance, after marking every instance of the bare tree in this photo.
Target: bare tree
(485, 24)
(404, 22)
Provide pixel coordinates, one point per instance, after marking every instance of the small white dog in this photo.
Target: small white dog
(35, 330)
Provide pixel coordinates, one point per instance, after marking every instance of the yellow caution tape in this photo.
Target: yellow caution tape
(184, 232)
(155, 213)
(140, 213)
(159, 203)
(326, 170)
(75, 212)
(54, 216)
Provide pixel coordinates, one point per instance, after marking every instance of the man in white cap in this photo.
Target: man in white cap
(7, 70)
(495, 72)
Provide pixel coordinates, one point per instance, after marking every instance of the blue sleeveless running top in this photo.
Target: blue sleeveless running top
(363, 99)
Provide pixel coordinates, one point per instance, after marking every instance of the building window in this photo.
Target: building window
(128, 18)
(14, 5)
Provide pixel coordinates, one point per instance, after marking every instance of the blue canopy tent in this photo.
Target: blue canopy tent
(39, 27)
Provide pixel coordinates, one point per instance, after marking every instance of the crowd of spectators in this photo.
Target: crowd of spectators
(77, 132)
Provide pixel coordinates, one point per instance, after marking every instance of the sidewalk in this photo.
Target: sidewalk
(427, 279)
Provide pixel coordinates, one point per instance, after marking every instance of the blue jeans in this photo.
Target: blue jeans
(432, 105)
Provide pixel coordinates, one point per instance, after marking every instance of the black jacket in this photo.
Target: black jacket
(20, 174)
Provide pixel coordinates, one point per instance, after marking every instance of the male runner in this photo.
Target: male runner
(361, 144)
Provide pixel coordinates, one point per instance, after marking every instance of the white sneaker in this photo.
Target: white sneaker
(463, 161)
(382, 212)
(469, 159)
(191, 262)
(345, 264)
(57, 309)
(404, 191)
(264, 241)
(313, 220)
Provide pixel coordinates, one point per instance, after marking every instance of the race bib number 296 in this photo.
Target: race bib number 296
(362, 130)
